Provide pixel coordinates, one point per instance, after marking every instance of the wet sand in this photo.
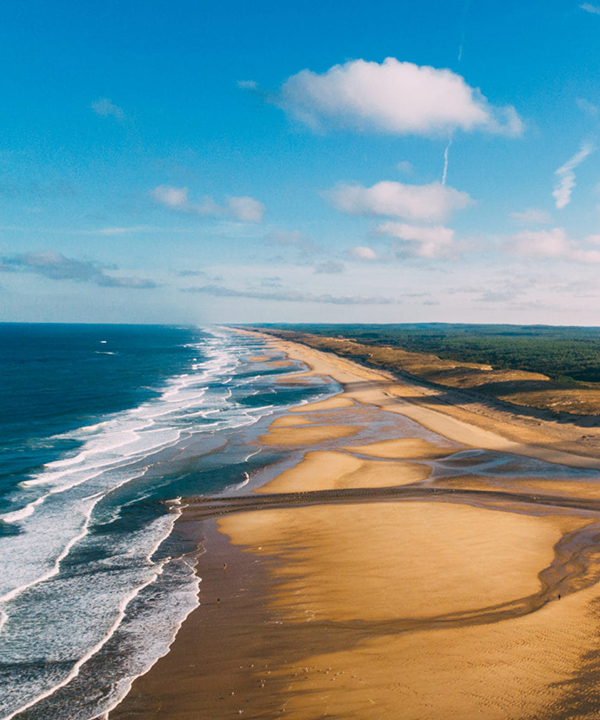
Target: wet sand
(391, 573)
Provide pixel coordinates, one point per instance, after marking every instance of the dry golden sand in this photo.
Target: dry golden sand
(418, 561)
(386, 561)
(332, 470)
(517, 669)
(290, 421)
(333, 403)
(402, 449)
(402, 610)
(559, 487)
(377, 564)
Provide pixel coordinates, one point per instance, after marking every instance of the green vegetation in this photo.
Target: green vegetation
(568, 355)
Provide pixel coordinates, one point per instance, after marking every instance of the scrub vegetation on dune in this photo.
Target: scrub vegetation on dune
(555, 369)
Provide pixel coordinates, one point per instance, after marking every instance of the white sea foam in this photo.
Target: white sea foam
(121, 608)
(101, 610)
(112, 453)
(185, 602)
(244, 482)
(21, 514)
(97, 591)
(41, 564)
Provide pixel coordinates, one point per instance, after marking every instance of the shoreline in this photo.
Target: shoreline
(454, 421)
(295, 598)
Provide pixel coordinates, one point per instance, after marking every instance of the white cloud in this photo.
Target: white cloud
(532, 216)
(422, 203)
(363, 253)
(425, 242)
(540, 243)
(247, 84)
(566, 176)
(588, 7)
(176, 198)
(393, 97)
(587, 257)
(244, 209)
(554, 244)
(105, 108)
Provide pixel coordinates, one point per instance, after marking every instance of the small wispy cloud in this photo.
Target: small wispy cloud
(55, 266)
(109, 231)
(587, 107)
(191, 273)
(105, 108)
(244, 209)
(588, 7)
(362, 253)
(294, 239)
(532, 216)
(288, 296)
(566, 176)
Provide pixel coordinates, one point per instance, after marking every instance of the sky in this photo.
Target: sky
(235, 162)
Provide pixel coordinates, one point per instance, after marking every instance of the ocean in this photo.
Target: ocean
(105, 430)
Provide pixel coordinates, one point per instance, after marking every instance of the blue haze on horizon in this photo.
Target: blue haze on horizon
(303, 162)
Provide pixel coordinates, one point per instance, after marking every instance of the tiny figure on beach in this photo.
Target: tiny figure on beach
(218, 601)
(559, 596)
(224, 566)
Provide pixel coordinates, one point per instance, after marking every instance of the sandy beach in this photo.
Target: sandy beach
(421, 560)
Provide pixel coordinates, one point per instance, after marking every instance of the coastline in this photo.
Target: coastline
(362, 606)
(495, 429)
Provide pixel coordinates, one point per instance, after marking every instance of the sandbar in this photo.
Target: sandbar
(333, 470)
(479, 597)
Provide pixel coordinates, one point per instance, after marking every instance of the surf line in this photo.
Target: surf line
(56, 567)
(97, 647)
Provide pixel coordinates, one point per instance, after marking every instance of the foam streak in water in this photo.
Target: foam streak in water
(94, 572)
(77, 666)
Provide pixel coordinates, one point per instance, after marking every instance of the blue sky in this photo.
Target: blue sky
(248, 162)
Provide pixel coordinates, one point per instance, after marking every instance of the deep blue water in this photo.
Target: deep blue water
(103, 430)
(57, 378)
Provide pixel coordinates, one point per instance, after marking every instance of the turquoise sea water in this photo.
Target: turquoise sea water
(103, 430)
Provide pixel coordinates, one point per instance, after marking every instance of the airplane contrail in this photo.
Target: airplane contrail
(446, 152)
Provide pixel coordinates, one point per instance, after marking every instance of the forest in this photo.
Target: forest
(567, 355)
